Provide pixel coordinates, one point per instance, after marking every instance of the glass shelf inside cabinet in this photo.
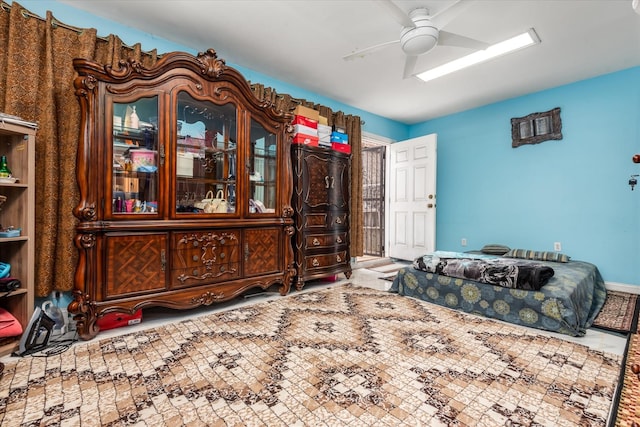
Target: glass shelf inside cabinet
(262, 168)
(206, 156)
(135, 157)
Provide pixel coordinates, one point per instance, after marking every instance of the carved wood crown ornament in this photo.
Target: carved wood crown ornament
(211, 65)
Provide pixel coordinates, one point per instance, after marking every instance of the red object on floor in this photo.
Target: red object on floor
(117, 320)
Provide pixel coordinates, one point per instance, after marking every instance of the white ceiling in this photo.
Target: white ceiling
(302, 42)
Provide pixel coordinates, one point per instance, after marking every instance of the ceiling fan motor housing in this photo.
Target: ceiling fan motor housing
(421, 38)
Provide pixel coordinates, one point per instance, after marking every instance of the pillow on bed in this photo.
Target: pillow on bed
(494, 249)
(537, 255)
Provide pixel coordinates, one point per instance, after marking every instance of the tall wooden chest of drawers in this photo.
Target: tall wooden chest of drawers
(321, 204)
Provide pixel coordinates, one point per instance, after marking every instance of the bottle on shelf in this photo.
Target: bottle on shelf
(5, 172)
(134, 119)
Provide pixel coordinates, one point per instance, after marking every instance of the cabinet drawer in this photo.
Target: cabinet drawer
(315, 220)
(325, 260)
(326, 220)
(194, 249)
(203, 273)
(324, 240)
(204, 257)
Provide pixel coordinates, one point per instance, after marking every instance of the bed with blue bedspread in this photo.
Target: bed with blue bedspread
(567, 299)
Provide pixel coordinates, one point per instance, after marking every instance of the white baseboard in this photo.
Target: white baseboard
(622, 287)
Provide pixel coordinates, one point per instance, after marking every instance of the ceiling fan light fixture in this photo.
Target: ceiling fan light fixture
(418, 40)
(513, 44)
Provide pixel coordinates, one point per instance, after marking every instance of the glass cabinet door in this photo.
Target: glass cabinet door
(262, 169)
(206, 157)
(134, 180)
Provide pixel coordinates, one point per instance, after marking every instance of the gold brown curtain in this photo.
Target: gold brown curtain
(36, 84)
(353, 126)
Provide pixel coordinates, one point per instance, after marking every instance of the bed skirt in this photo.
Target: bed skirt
(567, 304)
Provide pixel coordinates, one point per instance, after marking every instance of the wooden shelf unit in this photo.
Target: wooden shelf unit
(17, 142)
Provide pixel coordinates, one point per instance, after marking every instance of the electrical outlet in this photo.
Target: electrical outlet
(557, 246)
(463, 242)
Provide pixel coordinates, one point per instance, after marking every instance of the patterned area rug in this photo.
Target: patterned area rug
(344, 356)
(617, 312)
(628, 413)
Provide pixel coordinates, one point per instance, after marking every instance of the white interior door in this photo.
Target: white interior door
(412, 197)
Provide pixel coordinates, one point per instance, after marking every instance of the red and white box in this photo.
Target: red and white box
(306, 140)
(118, 320)
(305, 121)
(342, 148)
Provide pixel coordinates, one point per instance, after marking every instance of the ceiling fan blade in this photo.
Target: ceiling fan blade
(442, 18)
(398, 14)
(451, 39)
(409, 66)
(366, 51)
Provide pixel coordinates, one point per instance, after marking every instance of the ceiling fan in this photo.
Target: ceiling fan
(421, 32)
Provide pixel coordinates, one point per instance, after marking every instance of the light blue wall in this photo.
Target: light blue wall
(373, 123)
(572, 191)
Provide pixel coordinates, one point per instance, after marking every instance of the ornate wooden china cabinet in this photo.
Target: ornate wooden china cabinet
(185, 187)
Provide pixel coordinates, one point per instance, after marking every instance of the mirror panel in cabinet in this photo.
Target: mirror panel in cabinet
(262, 169)
(135, 157)
(206, 156)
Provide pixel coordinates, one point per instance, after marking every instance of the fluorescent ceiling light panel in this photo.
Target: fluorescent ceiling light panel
(502, 48)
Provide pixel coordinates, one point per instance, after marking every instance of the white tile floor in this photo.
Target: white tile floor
(154, 317)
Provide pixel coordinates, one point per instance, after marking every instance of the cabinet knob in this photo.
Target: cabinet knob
(430, 205)
(316, 242)
(339, 239)
(222, 255)
(196, 258)
(195, 243)
(315, 262)
(338, 258)
(195, 272)
(338, 220)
